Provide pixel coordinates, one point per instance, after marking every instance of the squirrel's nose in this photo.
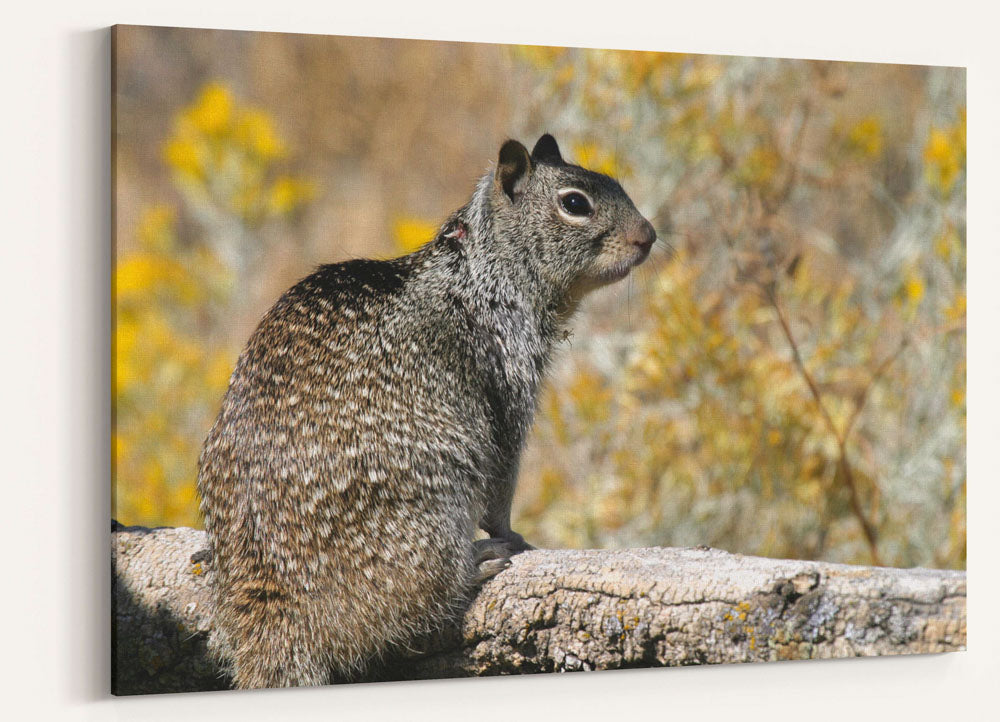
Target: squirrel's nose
(644, 236)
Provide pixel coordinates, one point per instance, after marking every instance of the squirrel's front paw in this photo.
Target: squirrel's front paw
(493, 555)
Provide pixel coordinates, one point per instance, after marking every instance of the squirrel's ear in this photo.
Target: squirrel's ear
(547, 150)
(513, 167)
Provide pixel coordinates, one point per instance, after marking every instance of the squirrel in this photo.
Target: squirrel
(376, 419)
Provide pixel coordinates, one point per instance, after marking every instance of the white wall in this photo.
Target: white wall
(55, 264)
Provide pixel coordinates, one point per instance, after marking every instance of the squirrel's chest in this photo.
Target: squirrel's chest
(510, 369)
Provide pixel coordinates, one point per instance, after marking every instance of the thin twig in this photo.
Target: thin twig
(871, 535)
(876, 377)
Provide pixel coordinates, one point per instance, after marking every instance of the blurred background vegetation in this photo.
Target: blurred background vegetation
(784, 377)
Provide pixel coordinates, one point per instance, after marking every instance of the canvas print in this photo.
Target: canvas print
(446, 359)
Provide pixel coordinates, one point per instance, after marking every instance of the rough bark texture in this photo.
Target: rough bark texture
(569, 610)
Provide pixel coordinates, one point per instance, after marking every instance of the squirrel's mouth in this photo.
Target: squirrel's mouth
(617, 269)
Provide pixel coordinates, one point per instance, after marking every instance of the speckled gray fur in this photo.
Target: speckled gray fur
(376, 418)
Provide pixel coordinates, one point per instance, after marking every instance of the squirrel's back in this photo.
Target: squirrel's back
(336, 480)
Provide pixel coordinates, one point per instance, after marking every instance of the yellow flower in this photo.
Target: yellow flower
(126, 370)
(865, 137)
(137, 274)
(213, 110)
(412, 233)
(913, 287)
(956, 310)
(589, 155)
(255, 132)
(184, 156)
(944, 155)
(143, 273)
(287, 193)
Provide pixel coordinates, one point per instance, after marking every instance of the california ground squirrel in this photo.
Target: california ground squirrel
(376, 419)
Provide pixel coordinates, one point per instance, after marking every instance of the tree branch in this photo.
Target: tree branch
(568, 610)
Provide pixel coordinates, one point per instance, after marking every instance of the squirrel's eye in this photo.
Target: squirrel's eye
(576, 204)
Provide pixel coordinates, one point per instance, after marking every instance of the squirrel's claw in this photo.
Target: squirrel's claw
(492, 556)
(490, 568)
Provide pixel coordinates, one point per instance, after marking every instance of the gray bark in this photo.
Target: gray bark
(568, 610)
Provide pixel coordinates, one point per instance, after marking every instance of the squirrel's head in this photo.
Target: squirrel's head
(578, 228)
